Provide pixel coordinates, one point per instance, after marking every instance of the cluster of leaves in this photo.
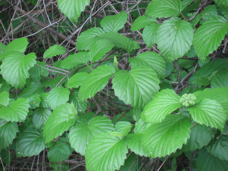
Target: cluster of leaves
(38, 112)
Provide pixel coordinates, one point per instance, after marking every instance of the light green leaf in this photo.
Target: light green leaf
(76, 80)
(34, 101)
(200, 136)
(136, 87)
(84, 131)
(74, 60)
(31, 89)
(14, 68)
(53, 51)
(222, 3)
(164, 138)
(44, 100)
(105, 152)
(36, 71)
(187, 2)
(58, 122)
(99, 49)
(124, 127)
(4, 85)
(113, 23)
(95, 81)
(60, 152)
(219, 147)
(52, 82)
(141, 22)
(16, 112)
(40, 117)
(209, 36)
(30, 143)
(2, 48)
(164, 8)
(80, 106)
(8, 131)
(72, 8)
(4, 98)
(209, 12)
(88, 38)
(163, 104)
(220, 79)
(121, 41)
(19, 45)
(151, 60)
(149, 34)
(174, 38)
(58, 96)
(209, 112)
(206, 161)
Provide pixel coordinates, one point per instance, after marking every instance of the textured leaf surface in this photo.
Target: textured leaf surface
(80, 106)
(113, 23)
(130, 163)
(62, 118)
(36, 71)
(164, 138)
(76, 80)
(16, 112)
(209, 112)
(72, 8)
(30, 143)
(141, 22)
(4, 98)
(84, 131)
(220, 79)
(19, 45)
(123, 127)
(151, 60)
(105, 152)
(209, 12)
(149, 34)
(95, 81)
(58, 96)
(8, 131)
(31, 89)
(121, 41)
(40, 117)
(209, 36)
(136, 87)
(163, 104)
(164, 8)
(99, 49)
(219, 147)
(14, 68)
(74, 60)
(88, 38)
(222, 3)
(174, 38)
(208, 162)
(54, 50)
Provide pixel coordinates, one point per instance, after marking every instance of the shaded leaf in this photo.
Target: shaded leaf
(141, 22)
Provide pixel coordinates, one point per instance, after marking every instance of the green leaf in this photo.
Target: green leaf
(40, 117)
(4, 98)
(31, 89)
(200, 136)
(164, 8)
(206, 161)
(16, 112)
(130, 164)
(209, 36)
(30, 143)
(36, 71)
(2, 48)
(4, 86)
(151, 60)
(220, 79)
(124, 127)
(72, 8)
(136, 87)
(222, 3)
(14, 68)
(60, 152)
(88, 38)
(53, 51)
(76, 80)
(149, 34)
(105, 152)
(34, 101)
(58, 122)
(84, 131)
(74, 60)
(8, 131)
(219, 147)
(52, 82)
(95, 81)
(164, 138)
(113, 23)
(209, 112)
(19, 45)
(163, 104)
(44, 100)
(174, 38)
(58, 96)
(99, 49)
(141, 22)
(80, 106)
(209, 12)
(121, 41)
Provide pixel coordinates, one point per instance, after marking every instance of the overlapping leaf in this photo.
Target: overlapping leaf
(4, 98)
(222, 3)
(149, 34)
(40, 117)
(53, 51)
(220, 79)
(80, 106)
(76, 80)
(141, 22)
